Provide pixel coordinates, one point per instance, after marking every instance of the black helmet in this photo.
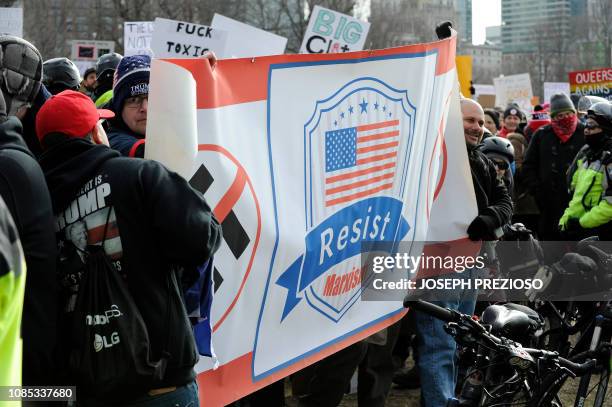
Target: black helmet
(60, 74)
(585, 102)
(601, 112)
(106, 64)
(498, 147)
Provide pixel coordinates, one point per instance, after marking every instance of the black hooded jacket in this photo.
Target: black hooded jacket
(155, 221)
(492, 197)
(23, 188)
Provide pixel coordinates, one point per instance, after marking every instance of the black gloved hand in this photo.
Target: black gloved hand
(481, 228)
(443, 30)
(573, 225)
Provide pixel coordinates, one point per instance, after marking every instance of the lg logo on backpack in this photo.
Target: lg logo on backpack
(101, 342)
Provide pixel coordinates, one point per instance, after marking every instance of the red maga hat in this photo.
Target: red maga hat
(70, 113)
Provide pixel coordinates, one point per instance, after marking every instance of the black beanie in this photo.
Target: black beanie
(494, 116)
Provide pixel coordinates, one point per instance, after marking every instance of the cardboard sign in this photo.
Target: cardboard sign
(179, 39)
(246, 41)
(596, 82)
(332, 32)
(551, 88)
(11, 21)
(137, 37)
(85, 50)
(514, 88)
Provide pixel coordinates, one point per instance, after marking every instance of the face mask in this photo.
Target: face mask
(564, 128)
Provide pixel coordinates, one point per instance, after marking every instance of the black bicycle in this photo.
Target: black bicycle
(504, 372)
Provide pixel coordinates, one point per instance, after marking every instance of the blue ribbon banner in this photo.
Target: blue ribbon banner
(340, 237)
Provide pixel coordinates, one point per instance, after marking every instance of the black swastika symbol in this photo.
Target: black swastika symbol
(234, 234)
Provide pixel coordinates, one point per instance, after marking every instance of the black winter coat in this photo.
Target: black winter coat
(494, 201)
(544, 173)
(156, 221)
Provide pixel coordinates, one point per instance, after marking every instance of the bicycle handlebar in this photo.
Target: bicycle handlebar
(434, 310)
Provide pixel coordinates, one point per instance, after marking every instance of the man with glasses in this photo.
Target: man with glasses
(550, 153)
(130, 101)
(590, 210)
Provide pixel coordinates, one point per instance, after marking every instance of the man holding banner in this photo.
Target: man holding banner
(436, 349)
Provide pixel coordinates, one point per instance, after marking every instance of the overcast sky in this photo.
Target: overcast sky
(484, 13)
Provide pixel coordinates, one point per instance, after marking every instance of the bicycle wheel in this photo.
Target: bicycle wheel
(602, 387)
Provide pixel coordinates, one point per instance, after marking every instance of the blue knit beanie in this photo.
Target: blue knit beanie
(131, 79)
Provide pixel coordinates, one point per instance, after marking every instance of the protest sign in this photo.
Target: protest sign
(290, 153)
(180, 39)
(246, 41)
(551, 88)
(89, 50)
(137, 37)
(595, 82)
(332, 32)
(11, 21)
(464, 72)
(514, 88)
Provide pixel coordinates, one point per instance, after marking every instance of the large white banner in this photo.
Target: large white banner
(331, 32)
(514, 88)
(303, 159)
(180, 39)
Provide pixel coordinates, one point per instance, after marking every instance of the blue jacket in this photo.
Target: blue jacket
(122, 139)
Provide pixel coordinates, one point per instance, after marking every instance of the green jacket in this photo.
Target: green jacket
(591, 185)
(12, 290)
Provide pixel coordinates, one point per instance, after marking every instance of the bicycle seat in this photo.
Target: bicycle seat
(513, 321)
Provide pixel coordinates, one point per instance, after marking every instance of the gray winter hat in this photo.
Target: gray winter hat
(20, 72)
(560, 103)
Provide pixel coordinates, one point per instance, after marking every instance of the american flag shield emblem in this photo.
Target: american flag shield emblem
(357, 146)
(357, 159)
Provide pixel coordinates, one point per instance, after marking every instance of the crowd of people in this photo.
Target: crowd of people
(76, 195)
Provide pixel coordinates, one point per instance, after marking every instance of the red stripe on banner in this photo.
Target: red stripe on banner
(376, 158)
(379, 136)
(358, 184)
(380, 125)
(377, 147)
(354, 174)
(249, 76)
(233, 380)
(358, 195)
(232, 195)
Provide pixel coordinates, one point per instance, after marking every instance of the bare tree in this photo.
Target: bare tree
(601, 14)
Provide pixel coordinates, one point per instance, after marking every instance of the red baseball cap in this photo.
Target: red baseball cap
(70, 113)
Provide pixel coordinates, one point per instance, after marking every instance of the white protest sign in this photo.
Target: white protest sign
(11, 21)
(484, 89)
(84, 65)
(551, 88)
(86, 50)
(179, 39)
(332, 32)
(137, 37)
(246, 41)
(514, 88)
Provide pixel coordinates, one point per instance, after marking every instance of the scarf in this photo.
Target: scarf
(564, 128)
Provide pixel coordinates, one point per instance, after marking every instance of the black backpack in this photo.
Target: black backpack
(110, 356)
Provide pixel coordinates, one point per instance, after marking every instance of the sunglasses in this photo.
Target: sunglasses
(501, 165)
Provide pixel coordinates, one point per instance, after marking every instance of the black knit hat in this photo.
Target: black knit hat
(494, 116)
(513, 110)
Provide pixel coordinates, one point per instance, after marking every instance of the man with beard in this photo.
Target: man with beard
(436, 348)
(590, 210)
(551, 152)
